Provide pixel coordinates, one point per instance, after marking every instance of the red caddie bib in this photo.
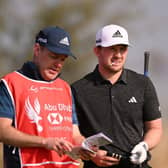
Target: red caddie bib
(42, 109)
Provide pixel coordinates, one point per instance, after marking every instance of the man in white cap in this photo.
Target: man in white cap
(118, 102)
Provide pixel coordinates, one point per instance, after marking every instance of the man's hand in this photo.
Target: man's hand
(101, 159)
(87, 154)
(139, 153)
(60, 145)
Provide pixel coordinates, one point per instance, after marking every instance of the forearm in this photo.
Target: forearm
(10, 135)
(77, 136)
(153, 133)
(152, 136)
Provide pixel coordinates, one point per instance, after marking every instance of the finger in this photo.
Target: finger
(111, 158)
(67, 146)
(58, 150)
(84, 156)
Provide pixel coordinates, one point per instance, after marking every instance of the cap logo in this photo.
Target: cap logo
(98, 41)
(42, 40)
(64, 41)
(117, 34)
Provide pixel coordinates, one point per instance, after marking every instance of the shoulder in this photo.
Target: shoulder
(6, 108)
(139, 81)
(62, 83)
(9, 75)
(137, 78)
(9, 78)
(84, 81)
(134, 74)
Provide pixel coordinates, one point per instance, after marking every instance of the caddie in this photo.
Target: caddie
(38, 124)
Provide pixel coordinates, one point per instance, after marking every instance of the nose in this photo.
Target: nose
(59, 62)
(117, 53)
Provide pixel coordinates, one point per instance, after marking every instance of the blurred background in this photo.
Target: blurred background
(145, 21)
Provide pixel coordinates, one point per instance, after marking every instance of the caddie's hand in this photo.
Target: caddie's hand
(60, 145)
(139, 153)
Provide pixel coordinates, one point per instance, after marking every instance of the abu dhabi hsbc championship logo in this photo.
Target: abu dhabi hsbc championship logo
(55, 118)
(33, 111)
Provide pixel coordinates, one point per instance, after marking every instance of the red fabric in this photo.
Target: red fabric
(43, 109)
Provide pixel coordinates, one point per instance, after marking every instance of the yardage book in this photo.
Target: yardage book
(98, 140)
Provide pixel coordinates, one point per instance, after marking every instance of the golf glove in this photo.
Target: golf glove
(139, 153)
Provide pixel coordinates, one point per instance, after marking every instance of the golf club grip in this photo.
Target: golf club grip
(146, 62)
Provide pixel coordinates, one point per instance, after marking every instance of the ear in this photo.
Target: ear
(36, 49)
(96, 50)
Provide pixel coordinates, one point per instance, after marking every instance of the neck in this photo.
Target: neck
(111, 76)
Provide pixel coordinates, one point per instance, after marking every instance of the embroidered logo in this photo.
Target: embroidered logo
(64, 41)
(33, 112)
(132, 100)
(117, 34)
(42, 40)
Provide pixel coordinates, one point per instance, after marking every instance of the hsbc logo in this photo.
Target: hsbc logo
(55, 118)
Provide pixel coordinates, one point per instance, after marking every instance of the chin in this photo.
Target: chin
(49, 77)
(115, 70)
(52, 78)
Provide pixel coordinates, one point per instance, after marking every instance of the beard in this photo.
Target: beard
(113, 69)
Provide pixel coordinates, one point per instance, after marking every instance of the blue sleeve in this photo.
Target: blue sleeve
(74, 116)
(6, 106)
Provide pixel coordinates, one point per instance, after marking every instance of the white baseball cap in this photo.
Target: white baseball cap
(112, 35)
